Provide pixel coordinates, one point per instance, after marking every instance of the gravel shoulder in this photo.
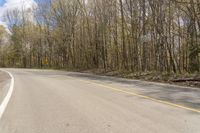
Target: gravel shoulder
(4, 84)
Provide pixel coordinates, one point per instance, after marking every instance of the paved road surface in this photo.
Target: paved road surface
(63, 102)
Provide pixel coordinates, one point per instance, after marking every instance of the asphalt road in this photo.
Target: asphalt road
(62, 102)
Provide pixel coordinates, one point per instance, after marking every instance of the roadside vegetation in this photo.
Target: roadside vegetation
(160, 38)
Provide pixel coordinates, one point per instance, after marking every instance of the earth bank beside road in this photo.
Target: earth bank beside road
(191, 80)
(4, 84)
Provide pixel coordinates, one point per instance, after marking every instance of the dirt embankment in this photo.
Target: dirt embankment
(4, 84)
(186, 79)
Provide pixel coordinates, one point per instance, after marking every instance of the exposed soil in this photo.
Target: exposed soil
(192, 80)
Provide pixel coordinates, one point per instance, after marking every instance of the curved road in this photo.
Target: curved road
(61, 102)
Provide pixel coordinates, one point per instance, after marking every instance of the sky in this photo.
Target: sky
(2, 2)
(6, 5)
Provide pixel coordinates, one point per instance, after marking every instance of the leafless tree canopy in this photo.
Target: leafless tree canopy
(121, 35)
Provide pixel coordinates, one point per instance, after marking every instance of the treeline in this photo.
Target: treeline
(122, 35)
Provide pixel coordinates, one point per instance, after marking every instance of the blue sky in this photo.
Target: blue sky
(6, 5)
(2, 2)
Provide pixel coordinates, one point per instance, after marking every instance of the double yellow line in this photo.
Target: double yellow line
(139, 95)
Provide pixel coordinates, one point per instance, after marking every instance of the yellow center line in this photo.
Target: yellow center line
(139, 95)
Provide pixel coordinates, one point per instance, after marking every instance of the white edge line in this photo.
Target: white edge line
(8, 96)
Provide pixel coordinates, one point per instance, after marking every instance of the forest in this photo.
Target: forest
(111, 35)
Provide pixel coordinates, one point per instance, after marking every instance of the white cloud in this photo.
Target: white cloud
(5, 25)
(15, 4)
